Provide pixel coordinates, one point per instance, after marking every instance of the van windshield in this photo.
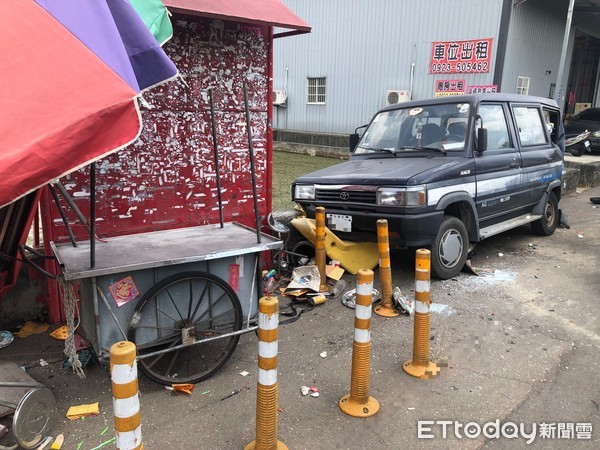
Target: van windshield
(441, 127)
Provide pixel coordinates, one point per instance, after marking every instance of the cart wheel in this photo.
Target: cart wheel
(184, 309)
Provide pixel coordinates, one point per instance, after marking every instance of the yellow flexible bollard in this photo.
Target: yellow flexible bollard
(420, 366)
(126, 402)
(266, 390)
(358, 403)
(320, 247)
(386, 307)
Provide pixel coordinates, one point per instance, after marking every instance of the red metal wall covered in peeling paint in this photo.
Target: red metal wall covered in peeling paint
(167, 178)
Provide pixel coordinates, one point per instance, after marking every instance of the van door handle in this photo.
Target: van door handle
(514, 165)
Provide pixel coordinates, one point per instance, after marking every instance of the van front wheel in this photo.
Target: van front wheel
(450, 249)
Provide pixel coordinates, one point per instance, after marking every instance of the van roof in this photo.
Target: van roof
(476, 99)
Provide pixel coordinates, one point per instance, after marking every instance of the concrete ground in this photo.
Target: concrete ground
(519, 344)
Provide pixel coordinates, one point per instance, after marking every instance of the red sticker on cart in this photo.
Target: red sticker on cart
(234, 276)
(124, 291)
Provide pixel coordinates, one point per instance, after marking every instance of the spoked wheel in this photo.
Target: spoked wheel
(174, 315)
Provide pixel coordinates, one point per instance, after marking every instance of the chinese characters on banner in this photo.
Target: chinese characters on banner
(483, 89)
(444, 88)
(461, 56)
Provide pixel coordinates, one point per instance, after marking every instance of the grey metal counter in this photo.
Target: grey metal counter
(159, 249)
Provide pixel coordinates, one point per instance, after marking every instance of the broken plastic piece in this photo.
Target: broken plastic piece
(104, 444)
(58, 442)
(183, 387)
(305, 390)
(60, 333)
(403, 302)
(44, 443)
(334, 272)
(77, 412)
(30, 328)
(352, 256)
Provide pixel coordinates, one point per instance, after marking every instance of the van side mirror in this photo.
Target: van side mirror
(354, 138)
(482, 139)
(353, 141)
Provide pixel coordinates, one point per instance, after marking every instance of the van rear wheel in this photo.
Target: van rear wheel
(549, 221)
(450, 249)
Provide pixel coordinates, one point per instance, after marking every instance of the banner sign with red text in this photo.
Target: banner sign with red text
(461, 56)
(482, 89)
(444, 88)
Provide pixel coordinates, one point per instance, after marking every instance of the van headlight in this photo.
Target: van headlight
(304, 192)
(410, 197)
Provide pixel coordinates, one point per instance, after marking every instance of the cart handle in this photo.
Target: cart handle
(29, 262)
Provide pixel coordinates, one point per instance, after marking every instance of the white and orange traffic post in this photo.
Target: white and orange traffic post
(386, 307)
(420, 366)
(126, 401)
(358, 403)
(266, 391)
(320, 256)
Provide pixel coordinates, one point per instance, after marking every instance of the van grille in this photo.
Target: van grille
(326, 195)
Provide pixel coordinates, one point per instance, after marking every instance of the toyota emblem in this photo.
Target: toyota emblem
(344, 196)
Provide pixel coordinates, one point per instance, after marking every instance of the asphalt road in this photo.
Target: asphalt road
(519, 344)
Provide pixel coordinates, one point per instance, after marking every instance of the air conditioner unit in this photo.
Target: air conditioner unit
(396, 96)
(279, 97)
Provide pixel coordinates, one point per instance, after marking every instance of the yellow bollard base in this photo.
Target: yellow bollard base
(356, 409)
(252, 446)
(422, 372)
(386, 311)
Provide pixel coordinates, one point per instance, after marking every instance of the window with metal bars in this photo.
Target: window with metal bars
(315, 90)
(523, 85)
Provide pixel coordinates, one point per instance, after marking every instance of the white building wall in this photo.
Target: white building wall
(534, 45)
(364, 48)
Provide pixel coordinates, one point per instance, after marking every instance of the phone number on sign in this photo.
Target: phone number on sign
(460, 67)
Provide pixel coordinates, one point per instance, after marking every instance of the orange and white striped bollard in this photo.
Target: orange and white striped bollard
(420, 366)
(266, 389)
(320, 255)
(386, 307)
(358, 403)
(126, 401)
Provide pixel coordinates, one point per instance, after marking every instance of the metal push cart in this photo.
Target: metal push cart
(176, 306)
(185, 319)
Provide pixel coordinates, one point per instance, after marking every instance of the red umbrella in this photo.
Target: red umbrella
(61, 105)
(71, 72)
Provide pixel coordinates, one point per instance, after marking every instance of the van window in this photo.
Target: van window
(530, 125)
(495, 122)
(552, 119)
(409, 129)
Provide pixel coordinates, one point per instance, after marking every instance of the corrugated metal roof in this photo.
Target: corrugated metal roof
(262, 12)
